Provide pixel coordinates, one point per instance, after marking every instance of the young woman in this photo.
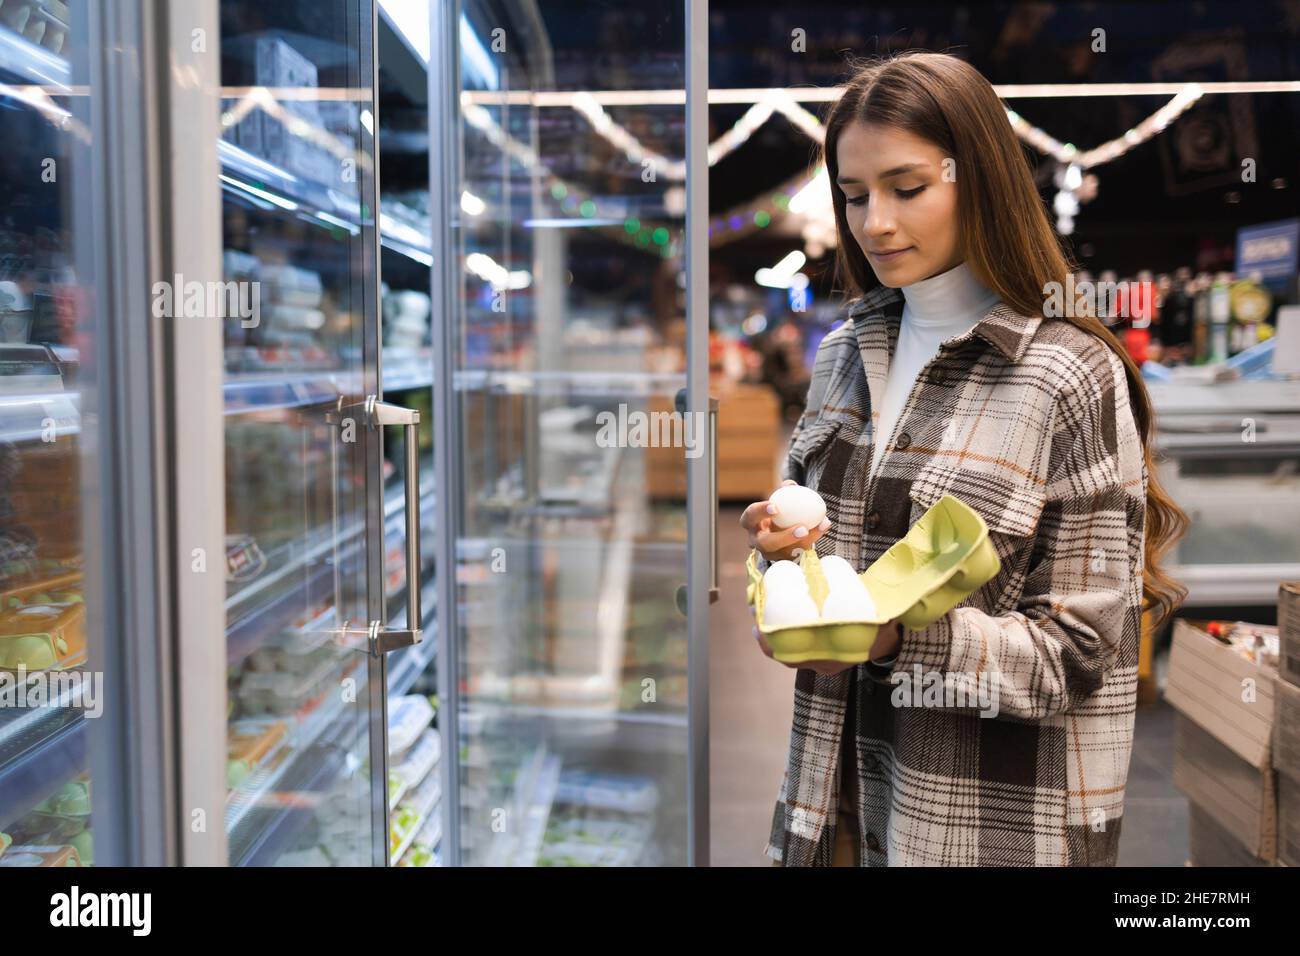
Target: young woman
(950, 376)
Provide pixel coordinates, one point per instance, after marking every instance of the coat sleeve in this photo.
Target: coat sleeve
(1078, 617)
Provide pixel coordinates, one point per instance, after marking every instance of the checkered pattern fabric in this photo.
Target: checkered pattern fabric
(1026, 420)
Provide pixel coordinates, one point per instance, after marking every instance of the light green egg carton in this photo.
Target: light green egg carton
(944, 558)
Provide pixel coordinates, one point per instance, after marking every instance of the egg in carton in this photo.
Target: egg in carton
(819, 608)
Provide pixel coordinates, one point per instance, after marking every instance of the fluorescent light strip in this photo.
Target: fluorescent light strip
(828, 94)
(260, 193)
(411, 19)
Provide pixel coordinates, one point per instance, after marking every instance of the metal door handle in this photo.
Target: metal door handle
(713, 500)
(714, 591)
(382, 639)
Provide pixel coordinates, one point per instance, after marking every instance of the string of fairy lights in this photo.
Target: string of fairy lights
(808, 193)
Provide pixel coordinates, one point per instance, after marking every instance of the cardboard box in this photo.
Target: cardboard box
(1288, 630)
(749, 447)
(1223, 692)
(1240, 797)
(1288, 820)
(1211, 845)
(1286, 731)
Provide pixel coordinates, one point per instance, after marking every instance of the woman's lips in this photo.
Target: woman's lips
(888, 256)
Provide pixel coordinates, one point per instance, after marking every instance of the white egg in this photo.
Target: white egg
(784, 574)
(788, 608)
(848, 604)
(833, 565)
(797, 505)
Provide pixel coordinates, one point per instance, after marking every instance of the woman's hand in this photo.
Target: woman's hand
(778, 544)
(888, 639)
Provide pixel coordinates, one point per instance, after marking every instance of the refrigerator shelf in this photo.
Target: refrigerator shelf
(428, 837)
(44, 760)
(305, 584)
(266, 831)
(424, 800)
(33, 64)
(270, 185)
(298, 741)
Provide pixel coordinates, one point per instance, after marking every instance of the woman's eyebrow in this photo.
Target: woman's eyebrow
(896, 171)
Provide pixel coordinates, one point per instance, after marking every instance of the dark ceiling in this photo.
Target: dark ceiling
(1175, 200)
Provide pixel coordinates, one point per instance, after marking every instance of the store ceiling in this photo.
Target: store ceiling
(1160, 206)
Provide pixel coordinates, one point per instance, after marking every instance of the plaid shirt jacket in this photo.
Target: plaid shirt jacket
(1026, 420)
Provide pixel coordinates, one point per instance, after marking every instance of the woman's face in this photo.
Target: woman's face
(900, 207)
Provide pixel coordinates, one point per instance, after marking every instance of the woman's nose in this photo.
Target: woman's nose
(880, 219)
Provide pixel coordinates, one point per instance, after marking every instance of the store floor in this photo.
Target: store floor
(751, 704)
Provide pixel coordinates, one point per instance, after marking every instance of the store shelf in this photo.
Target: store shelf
(24, 417)
(407, 368)
(37, 756)
(259, 181)
(311, 580)
(616, 384)
(535, 786)
(410, 662)
(600, 685)
(270, 187)
(425, 798)
(253, 791)
(33, 64)
(268, 832)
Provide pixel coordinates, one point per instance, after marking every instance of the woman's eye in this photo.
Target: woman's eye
(856, 200)
(910, 193)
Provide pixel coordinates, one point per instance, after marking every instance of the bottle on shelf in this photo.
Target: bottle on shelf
(1201, 319)
(1220, 316)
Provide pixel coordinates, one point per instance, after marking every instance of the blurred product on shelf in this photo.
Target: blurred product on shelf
(295, 137)
(1258, 643)
(244, 559)
(15, 314)
(43, 627)
(406, 318)
(250, 742)
(44, 22)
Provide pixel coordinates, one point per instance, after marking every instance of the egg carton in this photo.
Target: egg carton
(944, 558)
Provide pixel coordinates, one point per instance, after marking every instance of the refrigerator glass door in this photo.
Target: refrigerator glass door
(566, 455)
(303, 506)
(47, 686)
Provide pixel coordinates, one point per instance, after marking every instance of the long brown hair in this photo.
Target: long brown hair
(1001, 219)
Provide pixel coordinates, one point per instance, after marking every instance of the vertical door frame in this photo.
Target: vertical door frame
(367, 12)
(701, 546)
(154, 473)
(444, 177)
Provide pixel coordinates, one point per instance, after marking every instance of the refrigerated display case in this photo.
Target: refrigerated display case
(571, 656)
(1230, 457)
(45, 445)
(305, 540)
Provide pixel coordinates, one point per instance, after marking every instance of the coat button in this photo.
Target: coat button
(871, 764)
(873, 521)
(872, 843)
(904, 441)
(939, 376)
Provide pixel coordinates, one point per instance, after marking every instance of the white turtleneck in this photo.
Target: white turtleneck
(934, 310)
